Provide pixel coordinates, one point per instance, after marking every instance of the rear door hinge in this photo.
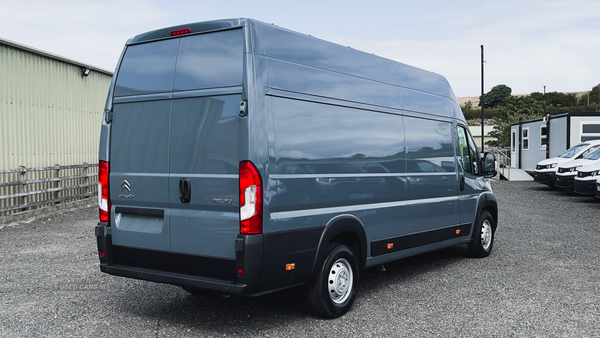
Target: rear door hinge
(243, 108)
(108, 115)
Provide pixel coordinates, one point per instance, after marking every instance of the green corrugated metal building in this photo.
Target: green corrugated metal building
(50, 113)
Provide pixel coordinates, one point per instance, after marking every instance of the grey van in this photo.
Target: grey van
(242, 158)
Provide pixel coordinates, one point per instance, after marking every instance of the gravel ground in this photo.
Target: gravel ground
(542, 280)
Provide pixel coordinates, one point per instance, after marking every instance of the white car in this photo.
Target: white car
(585, 181)
(566, 173)
(545, 170)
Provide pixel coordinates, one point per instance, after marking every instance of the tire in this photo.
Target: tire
(333, 292)
(483, 236)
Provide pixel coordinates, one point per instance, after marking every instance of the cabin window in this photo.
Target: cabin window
(467, 152)
(543, 137)
(525, 139)
(590, 131)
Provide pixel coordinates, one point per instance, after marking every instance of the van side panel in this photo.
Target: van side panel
(284, 44)
(332, 160)
(432, 178)
(314, 81)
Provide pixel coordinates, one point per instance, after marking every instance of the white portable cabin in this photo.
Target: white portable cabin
(534, 140)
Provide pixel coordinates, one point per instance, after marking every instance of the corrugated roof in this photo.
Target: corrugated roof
(51, 56)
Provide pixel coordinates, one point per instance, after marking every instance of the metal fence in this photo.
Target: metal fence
(24, 189)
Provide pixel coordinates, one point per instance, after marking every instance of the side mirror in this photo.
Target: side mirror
(489, 165)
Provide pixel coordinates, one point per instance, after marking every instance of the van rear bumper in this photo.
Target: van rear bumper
(204, 283)
(217, 275)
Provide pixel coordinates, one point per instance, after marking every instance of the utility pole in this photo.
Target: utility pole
(544, 100)
(482, 104)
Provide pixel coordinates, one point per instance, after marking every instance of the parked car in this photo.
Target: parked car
(585, 181)
(545, 170)
(598, 188)
(566, 173)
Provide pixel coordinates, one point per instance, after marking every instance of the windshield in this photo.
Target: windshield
(594, 155)
(573, 150)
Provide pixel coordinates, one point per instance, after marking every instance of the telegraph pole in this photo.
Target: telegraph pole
(482, 104)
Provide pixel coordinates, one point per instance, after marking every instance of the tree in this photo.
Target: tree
(513, 109)
(594, 97)
(496, 96)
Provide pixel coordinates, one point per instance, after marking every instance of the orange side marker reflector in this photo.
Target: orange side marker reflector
(458, 231)
(289, 267)
(390, 246)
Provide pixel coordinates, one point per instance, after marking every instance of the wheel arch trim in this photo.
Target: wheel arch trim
(341, 224)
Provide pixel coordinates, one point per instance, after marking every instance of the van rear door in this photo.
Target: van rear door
(204, 156)
(139, 148)
(175, 140)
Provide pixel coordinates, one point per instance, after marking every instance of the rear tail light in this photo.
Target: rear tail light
(103, 193)
(250, 199)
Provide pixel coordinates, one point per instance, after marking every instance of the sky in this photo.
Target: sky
(527, 44)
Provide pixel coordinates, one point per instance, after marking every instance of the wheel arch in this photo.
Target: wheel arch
(489, 204)
(343, 229)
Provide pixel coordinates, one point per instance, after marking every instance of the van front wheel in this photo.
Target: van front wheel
(333, 292)
(483, 236)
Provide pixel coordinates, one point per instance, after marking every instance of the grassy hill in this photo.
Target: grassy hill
(475, 99)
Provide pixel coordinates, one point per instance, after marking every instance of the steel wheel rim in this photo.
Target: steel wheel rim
(340, 280)
(486, 235)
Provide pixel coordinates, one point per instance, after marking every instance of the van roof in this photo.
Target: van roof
(413, 83)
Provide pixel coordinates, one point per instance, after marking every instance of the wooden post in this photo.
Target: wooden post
(23, 185)
(86, 179)
(57, 184)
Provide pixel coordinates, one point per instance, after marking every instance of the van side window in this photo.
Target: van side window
(467, 152)
(463, 150)
(474, 154)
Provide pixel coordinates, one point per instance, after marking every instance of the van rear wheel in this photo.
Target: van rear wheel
(483, 236)
(333, 292)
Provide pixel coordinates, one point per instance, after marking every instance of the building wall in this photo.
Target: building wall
(558, 135)
(577, 123)
(476, 133)
(534, 152)
(49, 113)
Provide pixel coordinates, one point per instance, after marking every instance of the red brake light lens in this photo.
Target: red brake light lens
(181, 31)
(250, 199)
(103, 192)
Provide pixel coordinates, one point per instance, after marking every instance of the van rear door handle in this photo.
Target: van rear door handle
(185, 190)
